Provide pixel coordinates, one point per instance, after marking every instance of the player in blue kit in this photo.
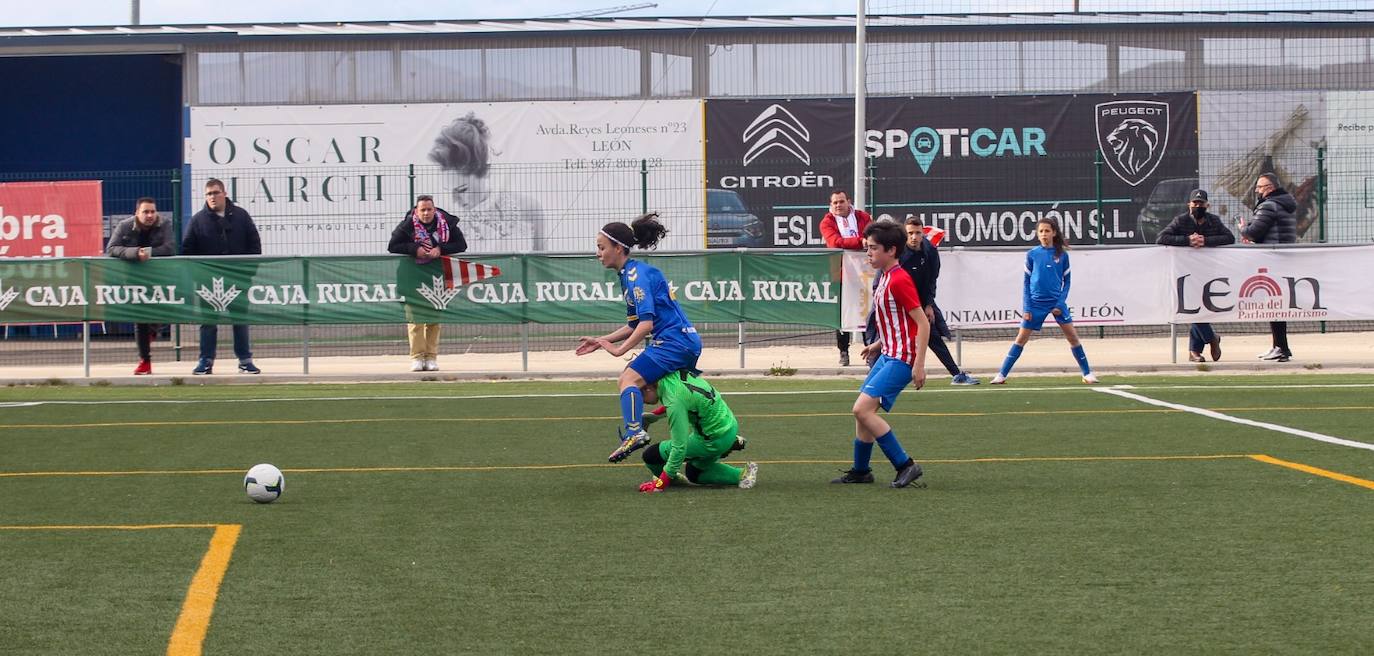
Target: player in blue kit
(1045, 292)
(652, 316)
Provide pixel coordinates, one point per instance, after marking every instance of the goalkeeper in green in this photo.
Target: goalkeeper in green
(702, 430)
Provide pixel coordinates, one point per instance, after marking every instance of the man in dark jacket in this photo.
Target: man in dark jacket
(921, 259)
(426, 233)
(222, 228)
(146, 234)
(1273, 223)
(1198, 228)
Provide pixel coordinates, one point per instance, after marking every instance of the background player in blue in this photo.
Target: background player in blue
(1045, 292)
(902, 339)
(651, 313)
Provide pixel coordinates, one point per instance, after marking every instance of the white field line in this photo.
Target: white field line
(1211, 414)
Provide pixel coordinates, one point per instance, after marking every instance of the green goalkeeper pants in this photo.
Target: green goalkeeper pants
(704, 456)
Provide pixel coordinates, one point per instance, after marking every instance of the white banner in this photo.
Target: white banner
(1152, 285)
(324, 180)
(981, 289)
(1266, 284)
(1350, 182)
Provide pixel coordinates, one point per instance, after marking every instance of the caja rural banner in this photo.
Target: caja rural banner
(984, 169)
(718, 287)
(333, 179)
(50, 219)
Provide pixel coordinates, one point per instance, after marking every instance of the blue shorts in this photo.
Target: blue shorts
(888, 377)
(1039, 311)
(659, 361)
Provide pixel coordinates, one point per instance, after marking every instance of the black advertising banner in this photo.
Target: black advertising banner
(984, 169)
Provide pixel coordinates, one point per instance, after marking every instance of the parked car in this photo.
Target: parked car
(729, 223)
(1167, 200)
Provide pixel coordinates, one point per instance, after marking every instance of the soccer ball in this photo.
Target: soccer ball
(264, 483)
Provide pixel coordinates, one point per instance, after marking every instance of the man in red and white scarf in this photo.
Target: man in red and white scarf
(843, 227)
(425, 234)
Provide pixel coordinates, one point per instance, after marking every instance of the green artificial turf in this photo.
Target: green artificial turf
(420, 519)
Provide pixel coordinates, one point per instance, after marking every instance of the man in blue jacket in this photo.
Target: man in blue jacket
(222, 228)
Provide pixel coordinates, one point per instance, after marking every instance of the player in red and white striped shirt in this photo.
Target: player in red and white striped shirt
(898, 356)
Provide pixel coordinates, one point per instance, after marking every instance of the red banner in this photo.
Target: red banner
(50, 219)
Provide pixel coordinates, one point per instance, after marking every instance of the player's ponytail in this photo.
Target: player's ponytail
(647, 230)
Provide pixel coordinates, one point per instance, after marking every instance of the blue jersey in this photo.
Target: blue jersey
(647, 298)
(1047, 278)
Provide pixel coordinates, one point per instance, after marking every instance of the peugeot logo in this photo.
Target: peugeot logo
(1132, 135)
(776, 127)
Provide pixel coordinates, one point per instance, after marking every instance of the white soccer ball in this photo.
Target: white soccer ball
(264, 483)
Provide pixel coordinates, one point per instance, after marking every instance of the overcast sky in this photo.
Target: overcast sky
(34, 13)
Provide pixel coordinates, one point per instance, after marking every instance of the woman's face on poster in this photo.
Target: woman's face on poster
(466, 189)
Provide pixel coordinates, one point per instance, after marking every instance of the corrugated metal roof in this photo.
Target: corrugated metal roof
(17, 35)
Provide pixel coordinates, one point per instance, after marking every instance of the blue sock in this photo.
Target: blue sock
(863, 453)
(1082, 359)
(631, 408)
(893, 450)
(1012, 355)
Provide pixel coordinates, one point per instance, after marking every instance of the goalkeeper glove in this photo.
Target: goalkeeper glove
(657, 484)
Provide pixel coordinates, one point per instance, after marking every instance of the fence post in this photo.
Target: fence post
(305, 346)
(1321, 194)
(872, 189)
(176, 248)
(1321, 206)
(85, 321)
(525, 315)
(643, 186)
(411, 183)
(1097, 196)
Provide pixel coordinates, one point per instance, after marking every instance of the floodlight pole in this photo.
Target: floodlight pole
(860, 189)
(133, 12)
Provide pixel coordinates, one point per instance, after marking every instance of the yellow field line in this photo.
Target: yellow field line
(189, 633)
(194, 621)
(111, 527)
(491, 468)
(1326, 473)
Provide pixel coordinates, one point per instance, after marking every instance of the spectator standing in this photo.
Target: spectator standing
(921, 259)
(426, 233)
(843, 227)
(146, 234)
(1198, 228)
(222, 228)
(1273, 223)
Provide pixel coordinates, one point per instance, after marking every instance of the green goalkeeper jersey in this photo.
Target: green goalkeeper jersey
(696, 411)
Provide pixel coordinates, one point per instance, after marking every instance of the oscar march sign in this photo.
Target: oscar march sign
(984, 169)
(335, 179)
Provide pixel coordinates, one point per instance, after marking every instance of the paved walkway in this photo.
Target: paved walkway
(1331, 352)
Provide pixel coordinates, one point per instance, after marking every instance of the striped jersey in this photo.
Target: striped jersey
(894, 296)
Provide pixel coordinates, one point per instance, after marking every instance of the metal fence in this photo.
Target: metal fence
(572, 207)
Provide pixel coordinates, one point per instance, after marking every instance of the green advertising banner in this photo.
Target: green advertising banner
(802, 288)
